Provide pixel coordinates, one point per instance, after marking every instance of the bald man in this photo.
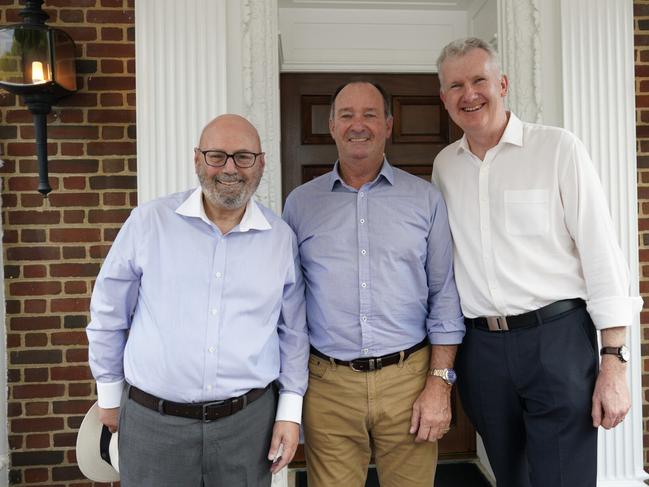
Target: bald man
(197, 323)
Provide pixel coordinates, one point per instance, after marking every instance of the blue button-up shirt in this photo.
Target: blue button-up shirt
(188, 314)
(377, 262)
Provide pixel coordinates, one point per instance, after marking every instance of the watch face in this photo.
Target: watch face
(451, 376)
(624, 353)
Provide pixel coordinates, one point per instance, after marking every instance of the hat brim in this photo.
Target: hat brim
(88, 455)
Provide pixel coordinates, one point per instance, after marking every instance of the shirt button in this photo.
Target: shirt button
(214, 311)
(363, 284)
(218, 274)
(364, 318)
(366, 351)
(361, 194)
(362, 220)
(211, 349)
(363, 251)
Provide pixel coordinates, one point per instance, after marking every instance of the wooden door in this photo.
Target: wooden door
(421, 129)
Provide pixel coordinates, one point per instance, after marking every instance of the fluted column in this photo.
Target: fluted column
(195, 60)
(598, 102)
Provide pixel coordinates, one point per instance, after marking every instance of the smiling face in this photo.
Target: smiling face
(359, 124)
(473, 92)
(229, 187)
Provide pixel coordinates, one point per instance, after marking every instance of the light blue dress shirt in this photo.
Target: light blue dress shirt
(188, 314)
(377, 262)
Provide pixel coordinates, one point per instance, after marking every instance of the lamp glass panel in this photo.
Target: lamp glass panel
(64, 60)
(25, 53)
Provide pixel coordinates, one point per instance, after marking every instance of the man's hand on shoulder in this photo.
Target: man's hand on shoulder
(431, 412)
(611, 399)
(110, 418)
(286, 435)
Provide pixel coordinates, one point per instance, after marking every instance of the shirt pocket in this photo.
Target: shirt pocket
(527, 212)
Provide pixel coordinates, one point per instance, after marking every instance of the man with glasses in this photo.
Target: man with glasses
(197, 311)
(382, 308)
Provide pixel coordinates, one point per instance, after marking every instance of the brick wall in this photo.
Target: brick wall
(53, 250)
(641, 18)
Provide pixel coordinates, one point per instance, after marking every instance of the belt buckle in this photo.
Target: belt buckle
(370, 363)
(205, 407)
(497, 323)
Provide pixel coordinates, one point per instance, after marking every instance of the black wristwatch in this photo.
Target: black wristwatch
(621, 353)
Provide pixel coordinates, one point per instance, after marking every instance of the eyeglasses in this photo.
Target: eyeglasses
(218, 158)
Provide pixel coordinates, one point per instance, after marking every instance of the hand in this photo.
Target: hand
(611, 399)
(431, 412)
(285, 434)
(110, 418)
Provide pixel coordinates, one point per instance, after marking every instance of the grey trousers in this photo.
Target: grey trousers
(167, 451)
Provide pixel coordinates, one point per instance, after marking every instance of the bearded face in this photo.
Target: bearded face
(229, 187)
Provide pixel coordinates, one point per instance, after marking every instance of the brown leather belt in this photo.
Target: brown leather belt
(373, 363)
(205, 411)
(531, 318)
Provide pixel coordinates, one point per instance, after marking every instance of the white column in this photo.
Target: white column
(598, 101)
(195, 60)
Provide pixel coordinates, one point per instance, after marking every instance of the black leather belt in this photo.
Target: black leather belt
(531, 318)
(373, 363)
(205, 411)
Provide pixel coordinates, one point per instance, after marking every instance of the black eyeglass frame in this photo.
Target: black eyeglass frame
(232, 156)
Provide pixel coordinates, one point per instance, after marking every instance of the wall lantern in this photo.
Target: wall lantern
(38, 63)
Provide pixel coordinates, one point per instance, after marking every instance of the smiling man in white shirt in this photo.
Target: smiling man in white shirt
(197, 311)
(538, 270)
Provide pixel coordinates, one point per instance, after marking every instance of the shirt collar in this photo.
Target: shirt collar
(387, 171)
(253, 218)
(513, 134)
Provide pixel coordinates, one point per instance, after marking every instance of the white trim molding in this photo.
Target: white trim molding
(599, 107)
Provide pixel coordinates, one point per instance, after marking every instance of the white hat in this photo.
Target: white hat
(93, 437)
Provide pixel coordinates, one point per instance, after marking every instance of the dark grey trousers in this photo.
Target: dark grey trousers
(528, 392)
(167, 451)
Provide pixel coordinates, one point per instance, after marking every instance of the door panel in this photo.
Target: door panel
(421, 129)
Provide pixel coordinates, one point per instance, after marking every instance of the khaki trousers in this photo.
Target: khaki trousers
(348, 416)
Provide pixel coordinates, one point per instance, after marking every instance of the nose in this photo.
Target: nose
(468, 93)
(230, 167)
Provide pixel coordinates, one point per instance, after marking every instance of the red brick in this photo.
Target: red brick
(43, 356)
(79, 390)
(35, 200)
(31, 323)
(74, 216)
(71, 373)
(108, 216)
(32, 235)
(111, 116)
(114, 199)
(112, 34)
(80, 34)
(36, 475)
(74, 199)
(111, 148)
(99, 251)
(14, 340)
(112, 83)
(33, 253)
(35, 340)
(71, 15)
(66, 3)
(64, 305)
(70, 337)
(74, 253)
(111, 100)
(71, 116)
(75, 234)
(72, 406)
(74, 270)
(112, 66)
(17, 217)
(76, 182)
(34, 288)
(35, 306)
(65, 439)
(72, 149)
(36, 375)
(110, 17)
(75, 287)
(38, 441)
(37, 391)
(112, 133)
(17, 183)
(76, 355)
